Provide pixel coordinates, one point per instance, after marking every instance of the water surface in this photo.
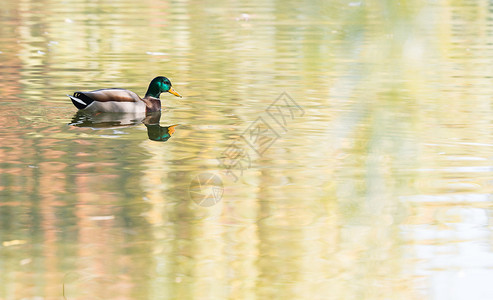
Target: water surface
(378, 186)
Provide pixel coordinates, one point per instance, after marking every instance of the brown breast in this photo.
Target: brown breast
(152, 104)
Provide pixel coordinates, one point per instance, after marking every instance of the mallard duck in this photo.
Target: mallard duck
(121, 100)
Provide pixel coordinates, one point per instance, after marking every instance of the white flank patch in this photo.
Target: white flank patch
(112, 106)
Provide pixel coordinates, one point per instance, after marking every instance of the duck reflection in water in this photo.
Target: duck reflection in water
(151, 120)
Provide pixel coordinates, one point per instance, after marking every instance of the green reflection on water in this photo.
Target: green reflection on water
(391, 158)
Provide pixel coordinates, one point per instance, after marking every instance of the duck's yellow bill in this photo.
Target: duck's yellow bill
(172, 91)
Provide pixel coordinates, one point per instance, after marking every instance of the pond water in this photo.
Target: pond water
(323, 150)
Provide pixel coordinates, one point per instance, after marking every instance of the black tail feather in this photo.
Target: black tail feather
(84, 100)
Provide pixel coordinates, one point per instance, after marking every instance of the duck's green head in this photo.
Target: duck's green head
(160, 85)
